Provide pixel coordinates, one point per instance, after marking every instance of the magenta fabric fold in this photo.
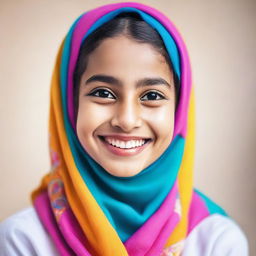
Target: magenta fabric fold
(67, 234)
(73, 233)
(44, 211)
(163, 221)
(197, 212)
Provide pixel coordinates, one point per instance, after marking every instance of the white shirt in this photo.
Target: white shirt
(23, 235)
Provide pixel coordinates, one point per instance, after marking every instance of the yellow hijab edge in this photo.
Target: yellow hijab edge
(185, 177)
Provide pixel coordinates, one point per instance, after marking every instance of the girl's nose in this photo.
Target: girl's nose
(127, 116)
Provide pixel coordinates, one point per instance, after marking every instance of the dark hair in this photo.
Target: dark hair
(128, 24)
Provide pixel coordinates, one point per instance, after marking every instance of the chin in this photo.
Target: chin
(123, 173)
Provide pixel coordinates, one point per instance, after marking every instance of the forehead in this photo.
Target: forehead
(125, 56)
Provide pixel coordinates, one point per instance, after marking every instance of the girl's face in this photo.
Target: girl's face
(126, 106)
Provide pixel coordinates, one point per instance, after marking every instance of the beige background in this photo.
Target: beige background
(221, 38)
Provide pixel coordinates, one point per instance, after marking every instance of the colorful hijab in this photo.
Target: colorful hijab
(88, 211)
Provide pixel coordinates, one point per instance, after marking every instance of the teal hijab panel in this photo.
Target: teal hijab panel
(118, 196)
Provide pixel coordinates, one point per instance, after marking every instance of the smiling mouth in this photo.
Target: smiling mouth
(125, 146)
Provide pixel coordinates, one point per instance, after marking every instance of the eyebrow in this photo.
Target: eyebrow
(149, 81)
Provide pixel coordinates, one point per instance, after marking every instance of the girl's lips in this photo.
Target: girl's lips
(124, 138)
(120, 151)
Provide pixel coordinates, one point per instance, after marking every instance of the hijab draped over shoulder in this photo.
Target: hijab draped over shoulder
(86, 210)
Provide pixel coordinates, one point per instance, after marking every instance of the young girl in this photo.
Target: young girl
(121, 145)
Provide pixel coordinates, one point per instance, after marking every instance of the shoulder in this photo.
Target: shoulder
(216, 235)
(23, 234)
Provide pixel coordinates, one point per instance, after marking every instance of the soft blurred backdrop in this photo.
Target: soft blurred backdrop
(221, 39)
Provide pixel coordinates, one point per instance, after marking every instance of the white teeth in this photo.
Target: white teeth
(128, 144)
(125, 144)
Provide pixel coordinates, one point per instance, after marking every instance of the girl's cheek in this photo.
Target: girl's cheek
(162, 121)
(90, 115)
(160, 116)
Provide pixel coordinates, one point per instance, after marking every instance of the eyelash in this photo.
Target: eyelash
(96, 93)
(158, 96)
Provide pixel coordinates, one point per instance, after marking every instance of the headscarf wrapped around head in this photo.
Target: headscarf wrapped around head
(86, 210)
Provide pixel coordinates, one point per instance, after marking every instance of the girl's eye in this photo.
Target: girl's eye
(102, 93)
(152, 96)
